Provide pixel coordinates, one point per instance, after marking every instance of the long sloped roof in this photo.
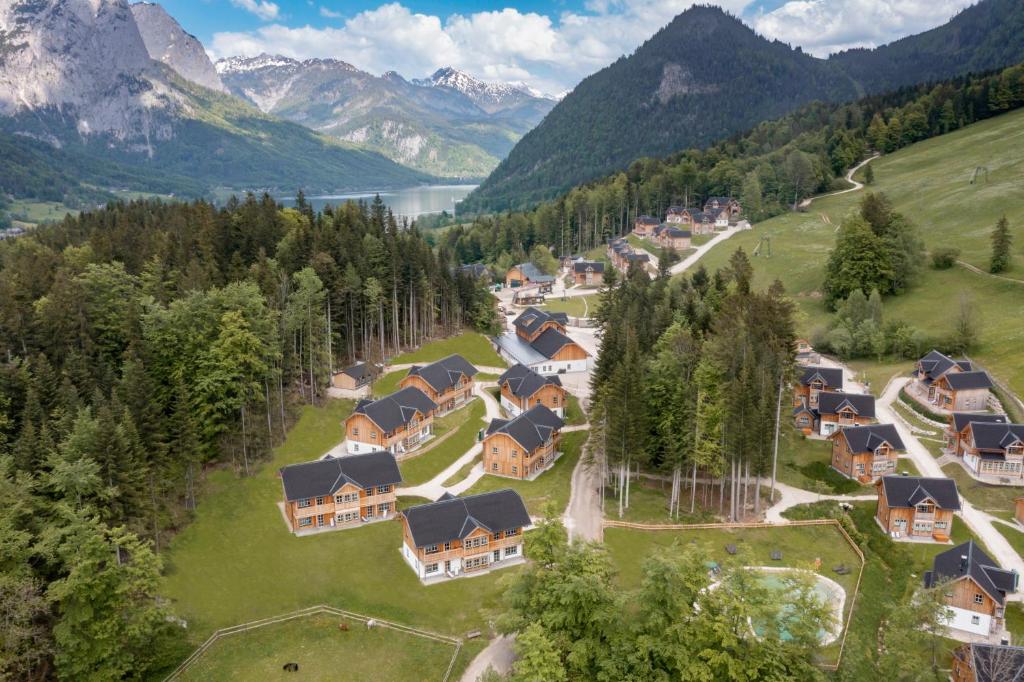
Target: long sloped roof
(396, 410)
(996, 437)
(550, 342)
(962, 419)
(969, 560)
(964, 381)
(531, 429)
(908, 491)
(831, 376)
(444, 374)
(869, 438)
(935, 364)
(861, 403)
(523, 382)
(326, 476)
(454, 518)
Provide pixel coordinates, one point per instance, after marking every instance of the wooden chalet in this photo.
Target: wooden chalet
(815, 380)
(727, 204)
(837, 410)
(458, 536)
(983, 662)
(994, 450)
(522, 447)
(398, 423)
(956, 429)
(672, 237)
(448, 382)
(954, 385)
(644, 225)
(527, 274)
(974, 588)
(522, 388)
(588, 273)
(337, 493)
(353, 378)
(866, 453)
(917, 508)
(540, 342)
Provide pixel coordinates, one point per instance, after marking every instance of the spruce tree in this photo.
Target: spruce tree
(1001, 242)
(869, 175)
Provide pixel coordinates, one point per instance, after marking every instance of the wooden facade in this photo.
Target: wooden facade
(922, 521)
(475, 552)
(862, 466)
(359, 428)
(503, 456)
(349, 506)
(589, 277)
(946, 397)
(551, 396)
(451, 399)
(808, 393)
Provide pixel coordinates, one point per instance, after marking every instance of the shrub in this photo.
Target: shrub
(944, 257)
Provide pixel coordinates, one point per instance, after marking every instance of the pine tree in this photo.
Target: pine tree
(1002, 240)
(869, 175)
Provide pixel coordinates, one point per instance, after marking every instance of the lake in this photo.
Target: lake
(404, 203)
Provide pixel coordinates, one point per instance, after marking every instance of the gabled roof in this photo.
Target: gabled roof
(869, 438)
(396, 410)
(831, 376)
(647, 220)
(550, 342)
(676, 233)
(962, 419)
(935, 364)
(531, 429)
(964, 381)
(583, 266)
(359, 371)
(720, 200)
(802, 407)
(996, 437)
(640, 257)
(532, 273)
(969, 560)
(523, 382)
(532, 319)
(996, 662)
(444, 374)
(832, 402)
(455, 518)
(327, 476)
(908, 491)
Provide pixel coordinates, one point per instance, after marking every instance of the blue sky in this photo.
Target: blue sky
(548, 45)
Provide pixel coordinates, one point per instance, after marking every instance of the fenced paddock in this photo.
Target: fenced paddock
(312, 639)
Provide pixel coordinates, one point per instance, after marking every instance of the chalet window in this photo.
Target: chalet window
(979, 598)
(511, 532)
(430, 568)
(475, 542)
(515, 453)
(306, 521)
(940, 525)
(447, 546)
(497, 536)
(975, 620)
(373, 435)
(512, 551)
(924, 509)
(355, 430)
(319, 519)
(383, 509)
(369, 512)
(494, 450)
(320, 500)
(382, 489)
(554, 400)
(494, 466)
(369, 491)
(303, 503)
(515, 469)
(430, 549)
(347, 517)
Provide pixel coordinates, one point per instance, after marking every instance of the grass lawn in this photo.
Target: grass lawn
(990, 498)
(648, 503)
(573, 412)
(473, 346)
(701, 239)
(461, 473)
(906, 464)
(930, 183)
(551, 486)
(1015, 620)
(387, 384)
(800, 546)
(806, 463)
(573, 306)
(237, 561)
(467, 422)
(323, 651)
(34, 212)
(877, 374)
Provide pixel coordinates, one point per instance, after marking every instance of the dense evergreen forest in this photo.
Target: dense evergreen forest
(145, 341)
(770, 168)
(706, 76)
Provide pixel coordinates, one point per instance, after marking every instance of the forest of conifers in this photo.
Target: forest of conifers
(769, 168)
(145, 341)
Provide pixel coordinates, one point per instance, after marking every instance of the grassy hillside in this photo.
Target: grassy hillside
(930, 183)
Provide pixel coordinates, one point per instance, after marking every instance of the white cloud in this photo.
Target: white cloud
(554, 52)
(822, 27)
(329, 13)
(264, 9)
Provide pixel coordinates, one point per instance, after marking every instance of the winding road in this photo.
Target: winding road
(849, 178)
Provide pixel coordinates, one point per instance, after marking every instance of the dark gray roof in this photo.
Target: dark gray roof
(908, 491)
(962, 419)
(639, 257)
(996, 437)
(523, 382)
(802, 407)
(831, 402)
(583, 266)
(969, 559)
(868, 438)
(676, 233)
(326, 476)
(964, 381)
(531, 319)
(396, 410)
(444, 374)
(359, 371)
(455, 518)
(832, 376)
(531, 429)
(647, 220)
(996, 662)
(531, 273)
(722, 201)
(935, 364)
(550, 342)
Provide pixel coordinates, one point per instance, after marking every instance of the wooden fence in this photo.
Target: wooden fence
(761, 524)
(313, 611)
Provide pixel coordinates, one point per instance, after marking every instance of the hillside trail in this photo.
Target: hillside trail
(849, 178)
(978, 271)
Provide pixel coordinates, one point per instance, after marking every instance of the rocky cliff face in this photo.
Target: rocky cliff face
(167, 42)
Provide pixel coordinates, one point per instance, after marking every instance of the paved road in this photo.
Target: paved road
(692, 259)
(792, 497)
(499, 655)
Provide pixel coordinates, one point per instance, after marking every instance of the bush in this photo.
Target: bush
(921, 409)
(944, 257)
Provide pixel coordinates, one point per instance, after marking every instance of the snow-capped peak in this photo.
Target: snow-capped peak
(246, 64)
(490, 96)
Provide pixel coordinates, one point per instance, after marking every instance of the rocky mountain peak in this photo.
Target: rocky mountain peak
(167, 42)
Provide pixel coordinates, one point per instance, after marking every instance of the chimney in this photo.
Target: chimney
(963, 562)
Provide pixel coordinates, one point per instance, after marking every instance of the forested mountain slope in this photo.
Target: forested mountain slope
(706, 76)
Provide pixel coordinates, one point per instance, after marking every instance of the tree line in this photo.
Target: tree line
(770, 168)
(689, 381)
(146, 341)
